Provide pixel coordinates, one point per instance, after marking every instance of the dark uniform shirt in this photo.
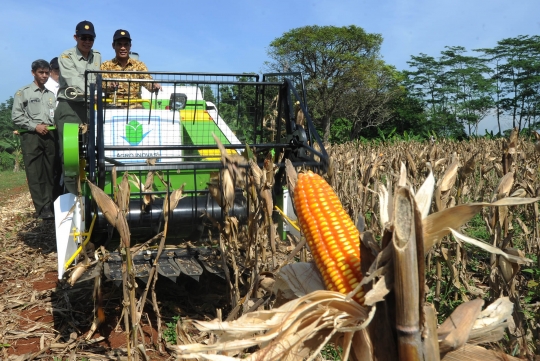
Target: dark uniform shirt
(32, 106)
(72, 67)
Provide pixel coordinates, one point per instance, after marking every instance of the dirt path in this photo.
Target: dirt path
(41, 317)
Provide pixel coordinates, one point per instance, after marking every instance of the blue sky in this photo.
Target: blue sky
(233, 36)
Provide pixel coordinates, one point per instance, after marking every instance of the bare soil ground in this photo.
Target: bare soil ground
(42, 317)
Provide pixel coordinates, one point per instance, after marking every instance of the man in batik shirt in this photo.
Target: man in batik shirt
(122, 62)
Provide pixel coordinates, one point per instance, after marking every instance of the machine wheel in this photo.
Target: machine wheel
(71, 149)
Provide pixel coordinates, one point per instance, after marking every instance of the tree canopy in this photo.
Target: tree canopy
(344, 74)
(9, 143)
(516, 73)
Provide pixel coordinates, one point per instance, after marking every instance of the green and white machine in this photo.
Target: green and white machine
(168, 136)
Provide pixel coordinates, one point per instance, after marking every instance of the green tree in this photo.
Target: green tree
(517, 75)
(9, 143)
(469, 87)
(427, 81)
(208, 93)
(340, 65)
(408, 116)
(456, 90)
(367, 104)
(236, 104)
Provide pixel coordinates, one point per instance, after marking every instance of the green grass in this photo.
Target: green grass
(476, 228)
(169, 333)
(331, 353)
(11, 180)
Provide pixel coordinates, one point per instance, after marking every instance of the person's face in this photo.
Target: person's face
(41, 75)
(121, 48)
(84, 43)
(55, 74)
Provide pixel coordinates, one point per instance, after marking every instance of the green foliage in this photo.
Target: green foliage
(455, 90)
(340, 131)
(236, 105)
(11, 180)
(516, 74)
(9, 143)
(169, 333)
(476, 228)
(7, 161)
(344, 73)
(533, 283)
(330, 352)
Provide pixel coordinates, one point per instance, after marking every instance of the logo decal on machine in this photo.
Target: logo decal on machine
(134, 133)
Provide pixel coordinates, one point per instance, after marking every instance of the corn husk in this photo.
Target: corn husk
(425, 194)
(281, 332)
(111, 212)
(437, 225)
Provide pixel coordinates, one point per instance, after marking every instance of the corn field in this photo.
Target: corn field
(466, 172)
(480, 189)
(446, 228)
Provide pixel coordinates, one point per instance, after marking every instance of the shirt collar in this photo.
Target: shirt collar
(80, 56)
(35, 88)
(115, 61)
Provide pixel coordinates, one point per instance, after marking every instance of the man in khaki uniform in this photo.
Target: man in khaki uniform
(33, 114)
(122, 62)
(71, 93)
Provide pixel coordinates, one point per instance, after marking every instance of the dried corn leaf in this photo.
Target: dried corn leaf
(301, 278)
(468, 167)
(258, 176)
(496, 313)
(111, 212)
(172, 201)
(519, 193)
(477, 353)
(281, 332)
(78, 271)
(425, 194)
(454, 331)
(362, 346)
(437, 225)
(227, 189)
(402, 182)
(504, 187)
(124, 191)
(385, 206)
(490, 248)
(379, 290)
(449, 177)
(292, 177)
(507, 270)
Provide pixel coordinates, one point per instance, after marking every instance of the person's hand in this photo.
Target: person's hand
(113, 85)
(156, 86)
(42, 129)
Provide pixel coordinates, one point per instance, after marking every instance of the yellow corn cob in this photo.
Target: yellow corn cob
(330, 233)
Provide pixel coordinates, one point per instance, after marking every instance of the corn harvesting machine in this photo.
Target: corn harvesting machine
(167, 139)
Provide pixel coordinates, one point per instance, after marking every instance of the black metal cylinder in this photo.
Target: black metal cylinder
(188, 219)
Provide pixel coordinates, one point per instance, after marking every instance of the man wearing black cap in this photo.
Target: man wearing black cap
(122, 62)
(71, 93)
(52, 83)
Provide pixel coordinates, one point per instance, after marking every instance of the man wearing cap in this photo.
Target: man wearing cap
(122, 62)
(71, 93)
(33, 114)
(52, 83)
